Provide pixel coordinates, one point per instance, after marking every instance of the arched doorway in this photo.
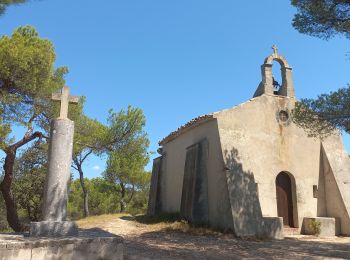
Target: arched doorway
(285, 198)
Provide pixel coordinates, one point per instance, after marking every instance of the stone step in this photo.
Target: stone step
(290, 231)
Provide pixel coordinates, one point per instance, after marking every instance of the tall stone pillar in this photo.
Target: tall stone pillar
(60, 159)
(54, 209)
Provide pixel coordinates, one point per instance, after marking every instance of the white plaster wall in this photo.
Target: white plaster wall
(266, 148)
(336, 165)
(173, 172)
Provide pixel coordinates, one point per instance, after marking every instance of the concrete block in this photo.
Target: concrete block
(272, 227)
(53, 229)
(328, 226)
(102, 248)
(91, 247)
(9, 254)
(45, 253)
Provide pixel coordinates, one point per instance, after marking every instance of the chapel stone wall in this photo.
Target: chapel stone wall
(174, 167)
(261, 145)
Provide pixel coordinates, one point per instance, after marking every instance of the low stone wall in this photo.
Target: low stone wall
(87, 246)
(326, 226)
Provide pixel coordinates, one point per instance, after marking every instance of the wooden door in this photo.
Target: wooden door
(194, 200)
(189, 181)
(284, 198)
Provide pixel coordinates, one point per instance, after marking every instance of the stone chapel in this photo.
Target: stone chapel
(251, 170)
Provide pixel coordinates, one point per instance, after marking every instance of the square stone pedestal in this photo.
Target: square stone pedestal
(327, 226)
(53, 229)
(87, 246)
(272, 228)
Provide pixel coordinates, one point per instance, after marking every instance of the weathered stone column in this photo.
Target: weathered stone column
(60, 159)
(54, 209)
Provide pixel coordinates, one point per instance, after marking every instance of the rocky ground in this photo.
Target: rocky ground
(172, 241)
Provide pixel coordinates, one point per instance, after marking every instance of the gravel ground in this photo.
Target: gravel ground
(152, 241)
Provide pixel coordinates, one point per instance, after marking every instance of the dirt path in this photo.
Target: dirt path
(152, 241)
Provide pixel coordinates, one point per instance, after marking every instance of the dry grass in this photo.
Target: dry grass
(185, 227)
(98, 221)
(166, 223)
(174, 223)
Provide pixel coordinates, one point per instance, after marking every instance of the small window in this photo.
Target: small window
(283, 116)
(315, 191)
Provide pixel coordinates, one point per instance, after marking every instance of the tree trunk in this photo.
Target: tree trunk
(5, 186)
(29, 212)
(132, 193)
(122, 194)
(85, 191)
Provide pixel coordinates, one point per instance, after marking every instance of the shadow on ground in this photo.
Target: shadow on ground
(146, 239)
(96, 232)
(175, 245)
(144, 219)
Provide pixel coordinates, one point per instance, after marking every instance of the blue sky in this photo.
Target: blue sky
(176, 59)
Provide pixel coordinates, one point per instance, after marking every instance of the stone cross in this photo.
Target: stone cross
(65, 99)
(275, 48)
(54, 210)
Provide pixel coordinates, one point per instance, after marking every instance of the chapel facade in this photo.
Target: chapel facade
(251, 170)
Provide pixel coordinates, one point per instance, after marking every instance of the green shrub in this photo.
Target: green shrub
(316, 226)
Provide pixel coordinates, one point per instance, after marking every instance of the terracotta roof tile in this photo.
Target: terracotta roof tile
(184, 128)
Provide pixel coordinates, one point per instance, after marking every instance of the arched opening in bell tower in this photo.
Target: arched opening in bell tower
(276, 77)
